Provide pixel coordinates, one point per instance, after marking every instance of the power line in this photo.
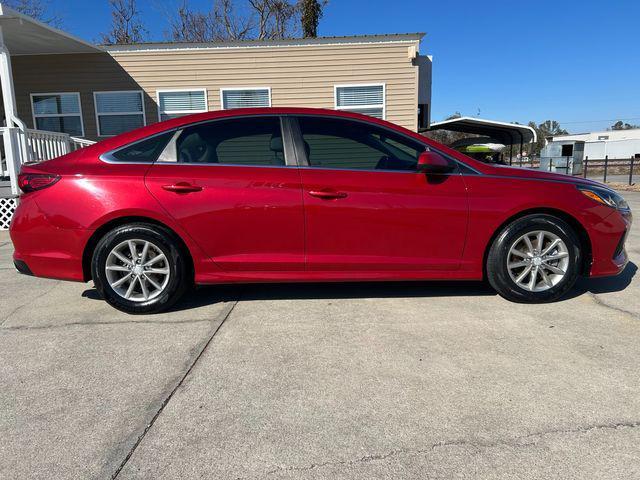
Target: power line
(597, 121)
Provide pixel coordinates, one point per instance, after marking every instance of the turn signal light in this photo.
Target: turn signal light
(594, 196)
(30, 182)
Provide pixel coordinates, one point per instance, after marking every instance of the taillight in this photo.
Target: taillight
(30, 182)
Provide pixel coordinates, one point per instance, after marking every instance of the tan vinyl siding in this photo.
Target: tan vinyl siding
(83, 73)
(297, 75)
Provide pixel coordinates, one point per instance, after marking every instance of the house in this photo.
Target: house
(567, 153)
(614, 144)
(60, 92)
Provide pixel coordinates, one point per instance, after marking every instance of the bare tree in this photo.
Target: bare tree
(311, 13)
(229, 23)
(229, 20)
(126, 27)
(190, 26)
(38, 9)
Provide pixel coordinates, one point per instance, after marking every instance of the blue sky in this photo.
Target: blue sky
(575, 61)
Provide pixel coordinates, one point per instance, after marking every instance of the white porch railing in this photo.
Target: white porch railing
(78, 143)
(30, 145)
(42, 145)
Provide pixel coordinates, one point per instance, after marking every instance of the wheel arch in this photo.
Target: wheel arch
(90, 246)
(580, 230)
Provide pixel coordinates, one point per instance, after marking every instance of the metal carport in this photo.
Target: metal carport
(509, 134)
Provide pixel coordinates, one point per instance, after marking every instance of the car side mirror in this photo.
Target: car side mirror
(431, 162)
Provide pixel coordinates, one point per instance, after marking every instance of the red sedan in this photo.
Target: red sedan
(290, 195)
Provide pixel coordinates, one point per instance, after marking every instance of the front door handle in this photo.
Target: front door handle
(182, 187)
(327, 194)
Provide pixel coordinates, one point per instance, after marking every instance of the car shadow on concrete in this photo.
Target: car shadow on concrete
(605, 284)
(211, 294)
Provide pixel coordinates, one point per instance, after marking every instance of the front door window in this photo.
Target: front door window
(344, 144)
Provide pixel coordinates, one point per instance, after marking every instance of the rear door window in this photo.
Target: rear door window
(255, 141)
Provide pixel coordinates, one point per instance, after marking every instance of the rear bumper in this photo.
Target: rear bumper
(43, 249)
(609, 256)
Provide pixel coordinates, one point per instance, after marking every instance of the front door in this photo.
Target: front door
(229, 184)
(367, 208)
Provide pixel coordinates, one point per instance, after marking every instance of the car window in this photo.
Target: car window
(338, 143)
(145, 151)
(241, 141)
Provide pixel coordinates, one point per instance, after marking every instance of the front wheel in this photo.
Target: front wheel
(534, 259)
(138, 268)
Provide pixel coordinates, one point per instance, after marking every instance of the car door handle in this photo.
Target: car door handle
(182, 187)
(327, 194)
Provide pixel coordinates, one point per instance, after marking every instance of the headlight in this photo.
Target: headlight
(605, 196)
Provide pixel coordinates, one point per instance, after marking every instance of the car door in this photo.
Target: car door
(366, 206)
(233, 188)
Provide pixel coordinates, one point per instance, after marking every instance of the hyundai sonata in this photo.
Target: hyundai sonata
(293, 195)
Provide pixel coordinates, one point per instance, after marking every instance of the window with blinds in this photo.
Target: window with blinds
(177, 103)
(58, 112)
(118, 112)
(365, 99)
(245, 97)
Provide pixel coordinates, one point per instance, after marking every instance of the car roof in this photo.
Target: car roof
(175, 123)
(159, 127)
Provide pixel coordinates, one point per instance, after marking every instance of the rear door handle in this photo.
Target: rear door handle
(327, 194)
(182, 187)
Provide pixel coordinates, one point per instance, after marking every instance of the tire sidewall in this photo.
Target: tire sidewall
(498, 272)
(160, 238)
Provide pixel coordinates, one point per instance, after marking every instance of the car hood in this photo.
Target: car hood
(518, 172)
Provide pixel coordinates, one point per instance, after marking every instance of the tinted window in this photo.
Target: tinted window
(145, 151)
(242, 141)
(337, 143)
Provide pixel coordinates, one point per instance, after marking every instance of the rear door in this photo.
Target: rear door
(233, 188)
(366, 206)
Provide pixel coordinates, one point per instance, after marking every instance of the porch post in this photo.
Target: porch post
(9, 100)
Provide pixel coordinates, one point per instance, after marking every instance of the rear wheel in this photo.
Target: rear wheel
(534, 259)
(138, 268)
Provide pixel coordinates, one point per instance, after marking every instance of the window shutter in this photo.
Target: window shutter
(195, 101)
(119, 102)
(365, 99)
(247, 98)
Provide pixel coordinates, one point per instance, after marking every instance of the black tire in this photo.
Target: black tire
(498, 271)
(176, 285)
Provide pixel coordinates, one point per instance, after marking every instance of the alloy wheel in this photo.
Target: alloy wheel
(137, 270)
(538, 261)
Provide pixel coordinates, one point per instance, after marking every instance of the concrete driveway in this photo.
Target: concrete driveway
(321, 381)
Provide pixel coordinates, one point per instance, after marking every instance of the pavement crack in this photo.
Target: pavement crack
(120, 322)
(598, 301)
(221, 318)
(31, 300)
(531, 439)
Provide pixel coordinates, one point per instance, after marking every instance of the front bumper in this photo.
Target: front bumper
(609, 255)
